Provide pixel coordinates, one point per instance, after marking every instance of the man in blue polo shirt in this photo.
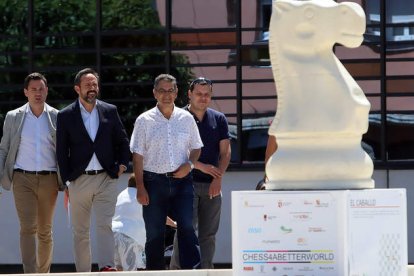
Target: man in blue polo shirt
(208, 170)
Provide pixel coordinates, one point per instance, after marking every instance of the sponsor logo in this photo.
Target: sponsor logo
(286, 230)
(316, 229)
(306, 268)
(267, 217)
(254, 230)
(301, 216)
(319, 203)
(262, 269)
(250, 205)
(301, 241)
(271, 241)
(248, 268)
(282, 203)
(307, 202)
(326, 268)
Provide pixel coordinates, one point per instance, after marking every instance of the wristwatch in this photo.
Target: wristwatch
(191, 165)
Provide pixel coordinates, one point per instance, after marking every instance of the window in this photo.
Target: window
(226, 41)
(265, 12)
(399, 16)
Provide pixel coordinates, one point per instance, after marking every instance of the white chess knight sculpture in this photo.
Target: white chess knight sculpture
(321, 112)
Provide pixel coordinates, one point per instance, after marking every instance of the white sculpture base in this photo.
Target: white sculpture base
(332, 163)
(353, 232)
(322, 185)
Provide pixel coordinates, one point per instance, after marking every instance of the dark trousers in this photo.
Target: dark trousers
(173, 196)
(206, 220)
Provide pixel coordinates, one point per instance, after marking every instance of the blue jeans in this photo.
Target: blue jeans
(206, 220)
(169, 196)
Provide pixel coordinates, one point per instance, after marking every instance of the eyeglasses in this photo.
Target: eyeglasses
(201, 81)
(163, 91)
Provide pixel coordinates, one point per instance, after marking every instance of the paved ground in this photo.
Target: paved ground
(60, 268)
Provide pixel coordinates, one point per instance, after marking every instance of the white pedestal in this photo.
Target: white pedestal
(350, 232)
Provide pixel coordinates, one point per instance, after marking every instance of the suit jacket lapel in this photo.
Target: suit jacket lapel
(20, 118)
(17, 132)
(101, 118)
(51, 121)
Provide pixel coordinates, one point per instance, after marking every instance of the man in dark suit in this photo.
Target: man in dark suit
(93, 151)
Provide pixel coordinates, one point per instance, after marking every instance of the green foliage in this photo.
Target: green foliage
(64, 41)
(13, 19)
(130, 14)
(63, 16)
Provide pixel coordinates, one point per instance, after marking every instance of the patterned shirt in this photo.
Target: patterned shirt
(164, 143)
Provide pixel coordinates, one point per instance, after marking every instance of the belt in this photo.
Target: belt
(168, 174)
(35, 172)
(93, 172)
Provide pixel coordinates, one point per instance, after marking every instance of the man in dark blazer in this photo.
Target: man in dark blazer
(93, 151)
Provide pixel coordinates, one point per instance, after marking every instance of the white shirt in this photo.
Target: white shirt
(164, 143)
(36, 149)
(128, 216)
(91, 122)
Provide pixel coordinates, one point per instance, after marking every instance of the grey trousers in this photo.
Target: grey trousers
(97, 192)
(206, 220)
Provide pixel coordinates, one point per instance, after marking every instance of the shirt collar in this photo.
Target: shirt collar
(159, 113)
(187, 107)
(29, 110)
(83, 108)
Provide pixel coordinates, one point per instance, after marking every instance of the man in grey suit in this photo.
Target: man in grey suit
(28, 161)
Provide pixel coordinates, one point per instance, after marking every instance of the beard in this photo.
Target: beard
(90, 96)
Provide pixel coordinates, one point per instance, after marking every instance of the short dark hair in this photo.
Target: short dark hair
(83, 72)
(201, 81)
(165, 77)
(34, 76)
(131, 181)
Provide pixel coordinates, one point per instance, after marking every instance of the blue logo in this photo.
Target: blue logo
(254, 230)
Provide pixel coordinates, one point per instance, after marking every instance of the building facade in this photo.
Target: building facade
(130, 42)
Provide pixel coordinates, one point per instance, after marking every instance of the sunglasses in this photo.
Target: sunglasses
(202, 81)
